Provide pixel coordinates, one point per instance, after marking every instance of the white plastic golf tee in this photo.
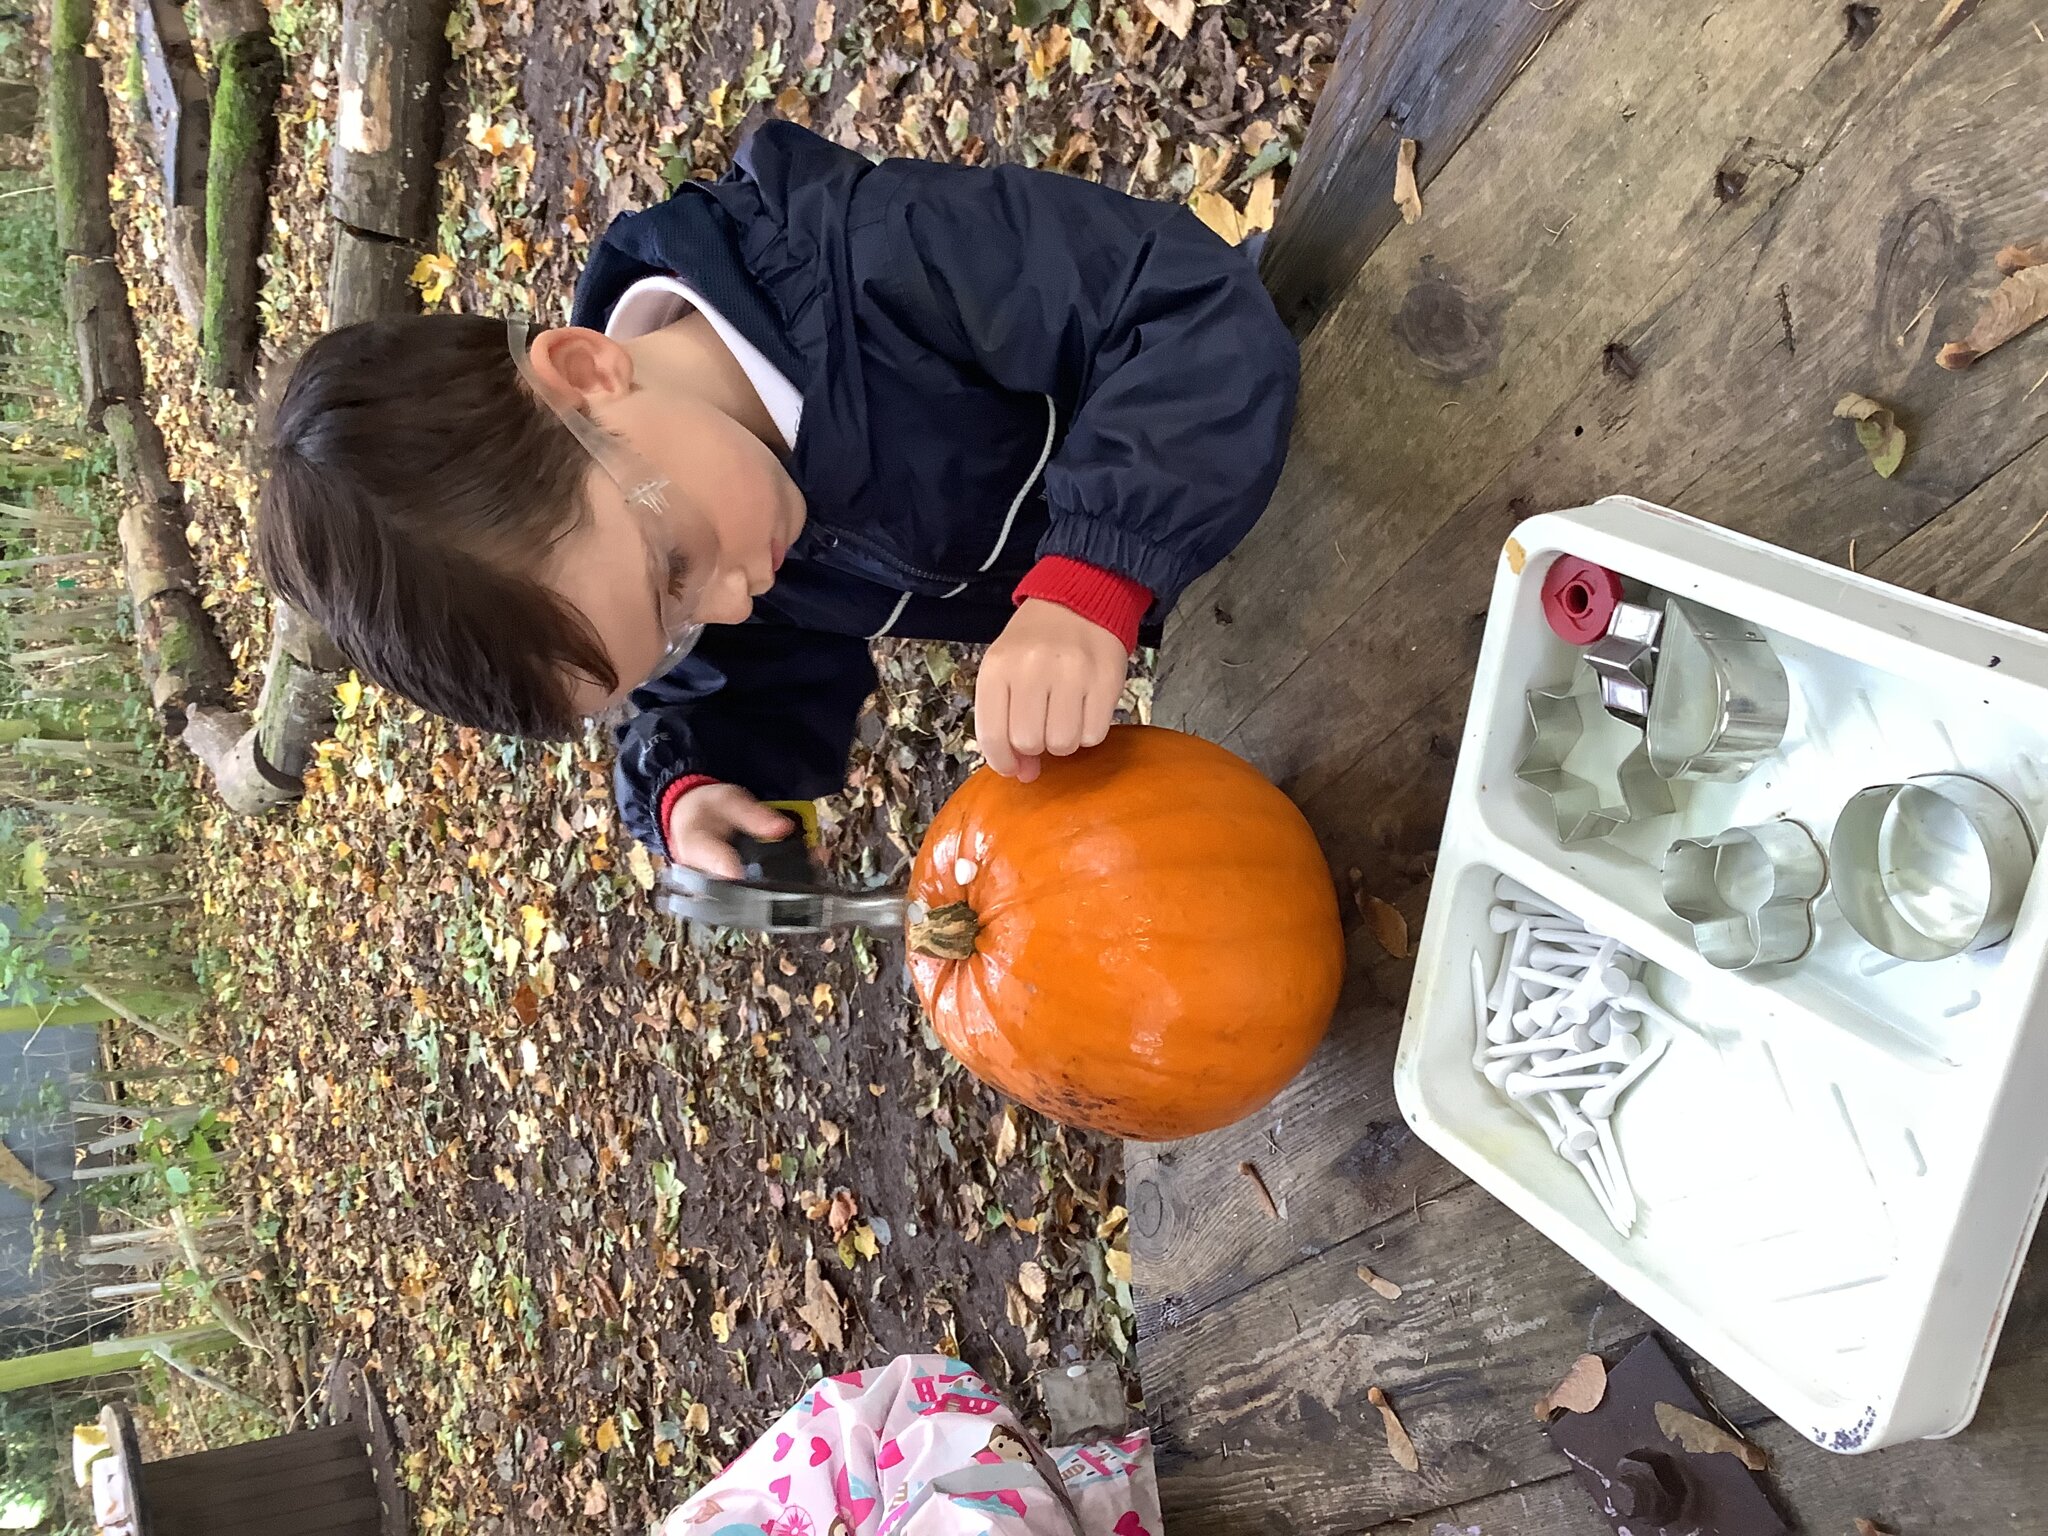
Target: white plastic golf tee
(1621, 1052)
(1511, 890)
(1600, 1102)
(1638, 1000)
(1498, 997)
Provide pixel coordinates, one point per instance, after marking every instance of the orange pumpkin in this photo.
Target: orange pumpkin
(1144, 942)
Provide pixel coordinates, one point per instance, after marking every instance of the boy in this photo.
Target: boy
(815, 403)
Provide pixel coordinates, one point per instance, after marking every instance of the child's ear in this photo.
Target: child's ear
(582, 365)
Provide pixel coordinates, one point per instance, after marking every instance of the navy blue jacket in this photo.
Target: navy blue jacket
(996, 366)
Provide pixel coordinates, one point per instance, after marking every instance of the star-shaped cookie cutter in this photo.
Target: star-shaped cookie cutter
(1577, 805)
(1748, 892)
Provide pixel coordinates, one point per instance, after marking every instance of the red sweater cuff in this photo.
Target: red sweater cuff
(1102, 597)
(675, 791)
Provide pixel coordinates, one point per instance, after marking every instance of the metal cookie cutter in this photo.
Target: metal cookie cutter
(1748, 892)
(1932, 867)
(1721, 701)
(1625, 659)
(1578, 805)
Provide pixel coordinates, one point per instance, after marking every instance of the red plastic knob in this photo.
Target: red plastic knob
(1579, 599)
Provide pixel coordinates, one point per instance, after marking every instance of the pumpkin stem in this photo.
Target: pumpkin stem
(947, 933)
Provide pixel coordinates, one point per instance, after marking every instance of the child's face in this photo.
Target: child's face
(698, 553)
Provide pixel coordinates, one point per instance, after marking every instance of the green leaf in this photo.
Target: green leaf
(1883, 439)
(1029, 13)
(179, 1180)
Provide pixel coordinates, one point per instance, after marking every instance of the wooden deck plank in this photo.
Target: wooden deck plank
(1333, 1147)
(1465, 334)
(1260, 1407)
(1260, 1410)
(1862, 200)
(1986, 1485)
(1406, 71)
(1726, 420)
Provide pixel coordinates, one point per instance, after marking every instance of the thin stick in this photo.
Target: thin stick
(2030, 533)
(1530, 55)
(1541, 10)
(1558, 233)
(1922, 314)
(1852, 555)
(2037, 384)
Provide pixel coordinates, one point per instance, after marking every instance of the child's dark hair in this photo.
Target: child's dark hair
(415, 488)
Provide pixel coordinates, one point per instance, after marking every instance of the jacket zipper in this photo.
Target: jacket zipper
(1052, 422)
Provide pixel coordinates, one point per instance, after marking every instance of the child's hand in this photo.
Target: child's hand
(1049, 684)
(701, 826)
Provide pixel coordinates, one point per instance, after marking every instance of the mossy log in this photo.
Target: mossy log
(247, 74)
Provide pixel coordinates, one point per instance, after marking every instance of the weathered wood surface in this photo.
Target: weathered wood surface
(1406, 71)
(1762, 213)
(1592, 191)
(369, 276)
(388, 131)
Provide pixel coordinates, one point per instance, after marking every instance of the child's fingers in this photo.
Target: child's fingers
(1066, 714)
(713, 855)
(1099, 713)
(992, 721)
(764, 822)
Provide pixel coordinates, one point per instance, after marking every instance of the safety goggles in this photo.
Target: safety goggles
(678, 574)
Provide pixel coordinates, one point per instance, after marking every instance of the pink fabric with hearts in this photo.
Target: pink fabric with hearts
(921, 1447)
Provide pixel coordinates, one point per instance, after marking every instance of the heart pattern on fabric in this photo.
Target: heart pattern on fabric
(783, 1444)
(820, 1451)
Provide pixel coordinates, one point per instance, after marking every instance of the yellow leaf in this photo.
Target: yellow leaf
(1006, 1136)
(434, 276)
(1118, 1262)
(533, 926)
(608, 1435)
(642, 867)
(1215, 210)
(721, 1327)
(349, 691)
(864, 1241)
(698, 1419)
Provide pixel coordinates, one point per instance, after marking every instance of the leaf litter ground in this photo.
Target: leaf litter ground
(596, 1196)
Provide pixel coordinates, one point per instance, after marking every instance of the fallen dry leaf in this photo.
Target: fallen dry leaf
(1868, 1527)
(1399, 1446)
(1007, 1133)
(2018, 303)
(1387, 924)
(1220, 214)
(1380, 1283)
(1877, 430)
(1407, 196)
(1258, 205)
(821, 1308)
(1699, 1438)
(839, 1215)
(1174, 15)
(1251, 1171)
(1031, 1279)
(1584, 1385)
(2017, 258)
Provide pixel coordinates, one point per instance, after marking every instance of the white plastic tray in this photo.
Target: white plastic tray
(1840, 1168)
